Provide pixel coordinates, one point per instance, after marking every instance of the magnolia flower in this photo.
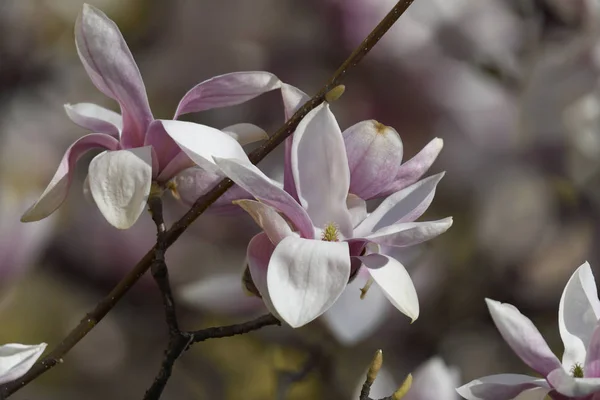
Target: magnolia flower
(306, 255)
(578, 376)
(16, 359)
(140, 149)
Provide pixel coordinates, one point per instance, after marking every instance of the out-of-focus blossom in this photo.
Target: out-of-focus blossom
(139, 148)
(577, 375)
(16, 359)
(301, 270)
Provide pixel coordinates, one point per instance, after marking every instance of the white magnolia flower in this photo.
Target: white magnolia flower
(16, 359)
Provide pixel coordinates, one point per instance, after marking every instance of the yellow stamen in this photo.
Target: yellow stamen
(331, 233)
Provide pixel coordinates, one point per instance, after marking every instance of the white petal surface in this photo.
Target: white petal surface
(499, 387)
(259, 252)
(201, 143)
(95, 118)
(120, 184)
(245, 133)
(305, 277)
(395, 281)
(523, 337)
(433, 380)
(410, 234)
(578, 314)
(16, 359)
(565, 384)
(357, 208)
(268, 219)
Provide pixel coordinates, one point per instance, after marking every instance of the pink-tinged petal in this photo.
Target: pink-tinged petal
(245, 133)
(352, 319)
(192, 183)
(405, 205)
(305, 277)
(57, 189)
(536, 394)
(591, 368)
(201, 143)
(95, 118)
(565, 384)
(434, 380)
(578, 313)
(293, 99)
(175, 166)
(318, 152)
(374, 157)
(499, 387)
(268, 219)
(357, 208)
(251, 179)
(120, 184)
(260, 250)
(113, 71)
(395, 281)
(523, 337)
(220, 294)
(227, 90)
(412, 170)
(16, 359)
(164, 146)
(410, 234)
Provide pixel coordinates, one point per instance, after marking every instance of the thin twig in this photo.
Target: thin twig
(232, 330)
(106, 304)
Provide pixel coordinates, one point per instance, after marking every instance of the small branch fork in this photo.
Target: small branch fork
(180, 340)
(105, 305)
(372, 375)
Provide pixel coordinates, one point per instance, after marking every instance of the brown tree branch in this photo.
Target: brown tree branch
(107, 303)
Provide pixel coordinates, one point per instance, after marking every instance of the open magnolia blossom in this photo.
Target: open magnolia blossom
(312, 246)
(140, 149)
(16, 359)
(578, 376)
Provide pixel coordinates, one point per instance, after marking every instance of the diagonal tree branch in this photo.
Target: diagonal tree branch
(107, 303)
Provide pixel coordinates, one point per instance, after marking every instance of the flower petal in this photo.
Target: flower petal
(318, 151)
(259, 253)
(374, 157)
(245, 133)
(395, 281)
(268, 219)
(95, 118)
(120, 184)
(592, 358)
(178, 164)
(434, 380)
(405, 205)
(565, 384)
(112, 69)
(578, 313)
(165, 147)
(56, 191)
(412, 170)
(16, 359)
(410, 234)
(357, 208)
(201, 143)
(523, 337)
(352, 319)
(305, 277)
(227, 90)
(251, 179)
(499, 387)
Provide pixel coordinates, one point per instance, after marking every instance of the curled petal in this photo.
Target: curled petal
(120, 184)
(410, 234)
(260, 250)
(578, 313)
(113, 71)
(268, 219)
(412, 170)
(305, 277)
(201, 143)
(565, 384)
(166, 149)
(251, 179)
(523, 337)
(246, 133)
(500, 387)
(95, 118)
(374, 157)
(16, 359)
(318, 151)
(178, 164)
(227, 90)
(57, 189)
(395, 281)
(405, 205)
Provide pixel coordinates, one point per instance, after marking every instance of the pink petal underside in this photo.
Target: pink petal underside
(95, 118)
(178, 164)
(164, 146)
(499, 387)
(410, 234)
(112, 69)
(293, 99)
(56, 191)
(268, 219)
(592, 358)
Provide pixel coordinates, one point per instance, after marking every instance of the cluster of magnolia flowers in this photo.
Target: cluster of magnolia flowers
(317, 234)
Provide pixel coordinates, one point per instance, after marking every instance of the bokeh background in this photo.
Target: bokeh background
(511, 86)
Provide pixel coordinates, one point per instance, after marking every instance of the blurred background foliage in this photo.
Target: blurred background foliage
(510, 85)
